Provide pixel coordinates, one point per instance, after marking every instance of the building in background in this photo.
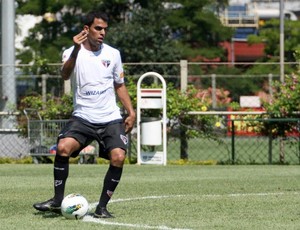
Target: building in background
(246, 17)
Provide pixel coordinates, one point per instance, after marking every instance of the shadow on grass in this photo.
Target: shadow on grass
(48, 214)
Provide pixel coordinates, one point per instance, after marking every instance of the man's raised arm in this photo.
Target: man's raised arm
(69, 65)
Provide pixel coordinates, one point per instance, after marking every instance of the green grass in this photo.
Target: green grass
(160, 197)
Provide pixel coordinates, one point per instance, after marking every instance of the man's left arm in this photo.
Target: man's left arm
(124, 97)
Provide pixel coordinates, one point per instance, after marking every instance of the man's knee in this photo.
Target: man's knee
(117, 157)
(67, 146)
(63, 149)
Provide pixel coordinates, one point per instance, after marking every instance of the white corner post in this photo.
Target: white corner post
(151, 131)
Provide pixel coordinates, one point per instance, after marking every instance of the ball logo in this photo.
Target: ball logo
(73, 195)
(73, 208)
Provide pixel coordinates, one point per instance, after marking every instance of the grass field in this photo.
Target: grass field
(160, 197)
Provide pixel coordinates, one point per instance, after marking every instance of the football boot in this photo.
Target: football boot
(101, 212)
(49, 205)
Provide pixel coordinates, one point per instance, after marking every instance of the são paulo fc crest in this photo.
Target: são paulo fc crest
(106, 63)
(124, 139)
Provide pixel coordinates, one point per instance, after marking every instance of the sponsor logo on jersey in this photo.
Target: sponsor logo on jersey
(106, 63)
(124, 139)
(95, 92)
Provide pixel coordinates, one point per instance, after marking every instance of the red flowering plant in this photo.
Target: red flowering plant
(285, 104)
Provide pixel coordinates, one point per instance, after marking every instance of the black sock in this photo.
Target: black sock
(111, 181)
(61, 172)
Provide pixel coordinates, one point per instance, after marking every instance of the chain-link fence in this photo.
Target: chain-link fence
(233, 141)
(218, 147)
(229, 141)
(12, 143)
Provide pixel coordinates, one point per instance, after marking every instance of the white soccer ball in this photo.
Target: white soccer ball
(74, 206)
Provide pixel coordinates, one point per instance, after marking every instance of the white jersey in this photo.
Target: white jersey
(93, 80)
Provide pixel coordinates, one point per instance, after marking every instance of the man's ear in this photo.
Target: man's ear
(86, 29)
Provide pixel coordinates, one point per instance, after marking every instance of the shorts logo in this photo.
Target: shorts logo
(58, 183)
(106, 63)
(124, 139)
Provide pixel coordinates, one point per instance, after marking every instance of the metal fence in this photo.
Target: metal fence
(229, 141)
(42, 139)
(217, 147)
(30, 79)
(12, 143)
(41, 134)
(234, 141)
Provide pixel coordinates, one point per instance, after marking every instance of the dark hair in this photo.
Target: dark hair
(89, 18)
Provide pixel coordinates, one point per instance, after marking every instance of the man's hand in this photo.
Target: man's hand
(79, 38)
(129, 123)
(69, 65)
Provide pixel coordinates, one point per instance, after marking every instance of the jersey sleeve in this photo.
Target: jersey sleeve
(66, 54)
(118, 70)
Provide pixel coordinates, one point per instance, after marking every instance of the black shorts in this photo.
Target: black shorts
(109, 136)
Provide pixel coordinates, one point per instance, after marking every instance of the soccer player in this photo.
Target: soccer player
(96, 72)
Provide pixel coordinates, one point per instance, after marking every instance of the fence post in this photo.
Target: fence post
(213, 92)
(183, 75)
(270, 145)
(7, 55)
(44, 89)
(232, 142)
(270, 76)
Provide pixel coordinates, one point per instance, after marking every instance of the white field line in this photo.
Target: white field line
(252, 194)
(93, 205)
(89, 218)
(139, 226)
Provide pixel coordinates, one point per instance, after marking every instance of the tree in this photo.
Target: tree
(284, 105)
(286, 96)
(198, 29)
(61, 21)
(270, 35)
(47, 38)
(140, 42)
(145, 42)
